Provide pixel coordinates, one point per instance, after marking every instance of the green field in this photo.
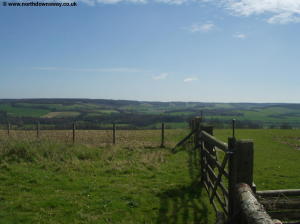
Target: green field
(276, 157)
(23, 111)
(43, 182)
(61, 114)
(141, 114)
(48, 182)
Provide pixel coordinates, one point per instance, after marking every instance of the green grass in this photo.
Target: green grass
(170, 125)
(181, 113)
(61, 107)
(44, 182)
(101, 112)
(22, 111)
(47, 182)
(61, 114)
(266, 115)
(276, 157)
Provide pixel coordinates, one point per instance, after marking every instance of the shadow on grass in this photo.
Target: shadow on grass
(185, 204)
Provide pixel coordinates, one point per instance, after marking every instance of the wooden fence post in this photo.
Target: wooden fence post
(8, 129)
(114, 133)
(193, 124)
(232, 176)
(197, 122)
(240, 167)
(38, 129)
(162, 145)
(74, 129)
(192, 127)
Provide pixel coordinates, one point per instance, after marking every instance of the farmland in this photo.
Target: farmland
(100, 114)
(49, 180)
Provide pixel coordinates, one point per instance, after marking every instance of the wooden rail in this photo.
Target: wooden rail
(213, 141)
(282, 204)
(277, 193)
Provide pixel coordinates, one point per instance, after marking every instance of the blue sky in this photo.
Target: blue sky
(167, 50)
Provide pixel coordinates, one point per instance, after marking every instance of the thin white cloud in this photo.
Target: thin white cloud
(281, 11)
(117, 70)
(240, 35)
(190, 79)
(160, 76)
(206, 27)
(284, 18)
(45, 68)
(173, 2)
(121, 70)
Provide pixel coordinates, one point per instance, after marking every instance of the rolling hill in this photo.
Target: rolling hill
(100, 113)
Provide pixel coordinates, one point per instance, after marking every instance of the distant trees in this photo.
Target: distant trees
(285, 126)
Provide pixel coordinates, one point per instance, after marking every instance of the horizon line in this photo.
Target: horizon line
(171, 101)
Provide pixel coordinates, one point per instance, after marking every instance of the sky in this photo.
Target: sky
(153, 50)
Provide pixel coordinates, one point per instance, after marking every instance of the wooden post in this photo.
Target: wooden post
(190, 124)
(202, 162)
(193, 124)
(197, 122)
(192, 127)
(114, 133)
(240, 171)
(162, 145)
(252, 211)
(38, 129)
(232, 176)
(8, 129)
(74, 129)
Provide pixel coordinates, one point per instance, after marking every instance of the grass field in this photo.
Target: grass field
(23, 111)
(47, 181)
(61, 114)
(276, 156)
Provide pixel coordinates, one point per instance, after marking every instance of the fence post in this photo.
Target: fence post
(162, 145)
(193, 124)
(192, 127)
(74, 129)
(114, 133)
(232, 176)
(240, 167)
(8, 129)
(38, 129)
(196, 125)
